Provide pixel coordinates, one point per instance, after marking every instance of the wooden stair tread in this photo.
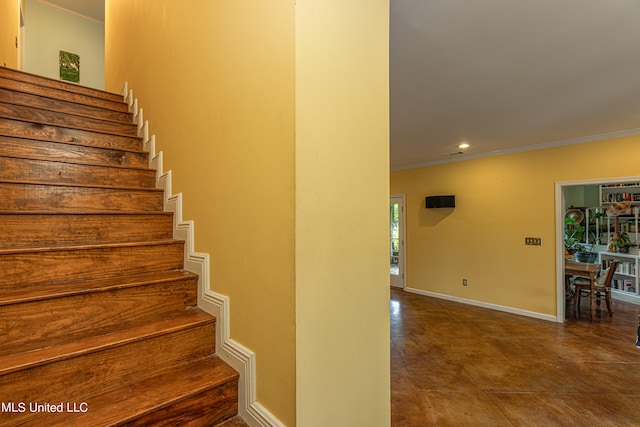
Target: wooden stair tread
(35, 130)
(23, 96)
(23, 229)
(72, 198)
(77, 143)
(88, 246)
(28, 268)
(67, 162)
(79, 212)
(41, 116)
(77, 152)
(38, 293)
(80, 185)
(59, 94)
(16, 169)
(69, 346)
(38, 80)
(116, 407)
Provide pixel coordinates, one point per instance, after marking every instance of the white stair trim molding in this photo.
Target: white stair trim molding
(235, 354)
(129, 100)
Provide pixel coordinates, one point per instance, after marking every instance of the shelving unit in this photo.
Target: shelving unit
(625, 280)
(610, 194)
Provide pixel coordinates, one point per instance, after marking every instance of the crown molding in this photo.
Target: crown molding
(72, 12)
(532, 147)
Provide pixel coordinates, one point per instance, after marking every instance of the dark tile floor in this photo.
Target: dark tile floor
(459, 365)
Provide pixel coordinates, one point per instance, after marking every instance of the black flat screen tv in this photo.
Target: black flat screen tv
(440, 202)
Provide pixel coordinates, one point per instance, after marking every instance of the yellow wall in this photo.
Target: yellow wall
(499, 201)
(342, 281)
(9, 29)
(268, 158)
(216, 82)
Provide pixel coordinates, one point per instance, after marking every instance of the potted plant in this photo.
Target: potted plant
(585, 253)
(622, 243)
(573, 234)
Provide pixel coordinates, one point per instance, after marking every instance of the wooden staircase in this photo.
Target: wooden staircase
(98, 319)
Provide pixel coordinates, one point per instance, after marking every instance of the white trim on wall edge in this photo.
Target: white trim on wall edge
(483, 304)
(71, 12)
(235, 354)
(624, 296)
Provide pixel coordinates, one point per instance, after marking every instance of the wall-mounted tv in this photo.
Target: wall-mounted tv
(440, 202)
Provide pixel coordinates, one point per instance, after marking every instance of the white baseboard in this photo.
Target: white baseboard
(625, 296)
(235, 354)
(483, 304)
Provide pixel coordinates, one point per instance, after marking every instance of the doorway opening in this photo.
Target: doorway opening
(397, 251)
(587, 229)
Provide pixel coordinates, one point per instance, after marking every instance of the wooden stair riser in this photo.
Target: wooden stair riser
(60, 173)
(44, 82)
(22, 230)
(29, 98)
(83, 376)
(46, 132)
(64, 95)
(37, 115)
(204, 410)
(95, 304)
(49, 319)
(207, 387)
(71, 153)
(36, 197)
(55, 266)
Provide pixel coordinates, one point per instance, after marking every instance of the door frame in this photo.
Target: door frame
(402, 252)
(21, 39)
(560, 211)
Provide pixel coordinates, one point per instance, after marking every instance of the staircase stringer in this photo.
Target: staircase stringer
(235, 354)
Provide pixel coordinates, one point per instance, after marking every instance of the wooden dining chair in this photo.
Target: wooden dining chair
(599, 290)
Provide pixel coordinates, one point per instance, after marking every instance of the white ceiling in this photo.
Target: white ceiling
(504, 75)
(92, 9)
(509, 74)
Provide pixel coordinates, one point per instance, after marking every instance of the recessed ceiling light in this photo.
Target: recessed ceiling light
(464, 145)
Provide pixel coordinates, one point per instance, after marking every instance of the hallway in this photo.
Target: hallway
(459, 365)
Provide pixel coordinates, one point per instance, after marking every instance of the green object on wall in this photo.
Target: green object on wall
(69, 66)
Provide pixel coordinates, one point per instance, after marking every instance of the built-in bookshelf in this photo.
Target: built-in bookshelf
(612, 193)
(628, 221)
(625, 280)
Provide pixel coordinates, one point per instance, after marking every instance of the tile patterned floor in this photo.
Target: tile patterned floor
(458, 365)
